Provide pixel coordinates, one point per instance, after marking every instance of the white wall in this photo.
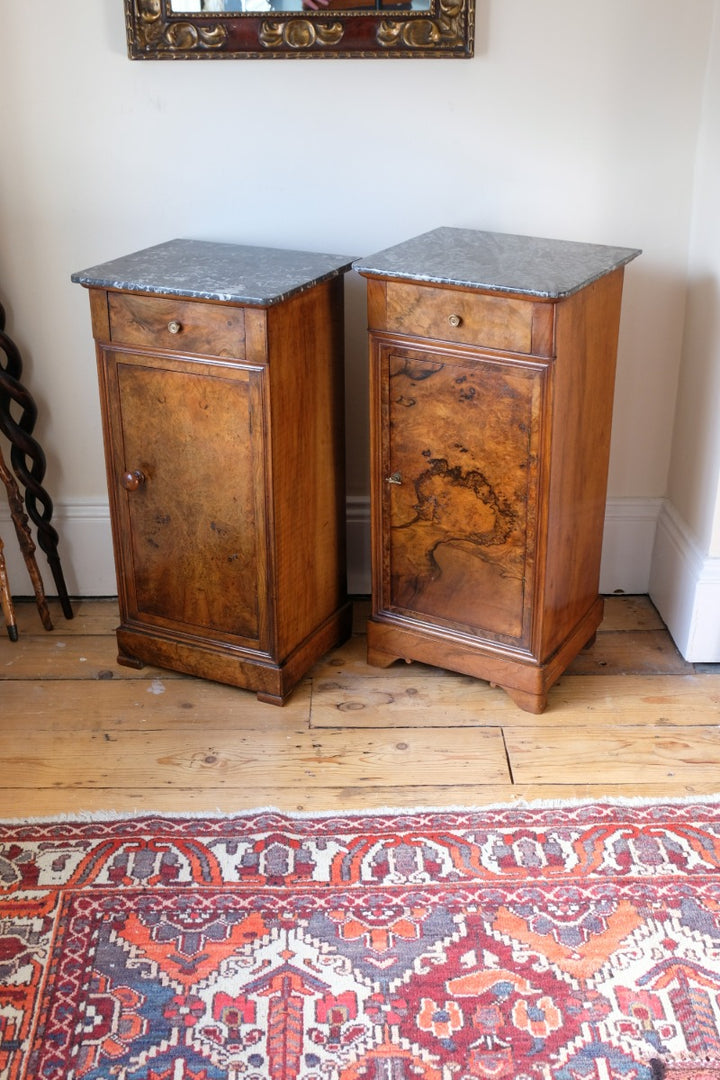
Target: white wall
(695, 464)
(573, 120)
(685, 574)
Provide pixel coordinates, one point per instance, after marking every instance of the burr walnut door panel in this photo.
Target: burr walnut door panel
(187, 480)
(458, 489)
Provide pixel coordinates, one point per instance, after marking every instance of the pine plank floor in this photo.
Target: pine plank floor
(78, 732)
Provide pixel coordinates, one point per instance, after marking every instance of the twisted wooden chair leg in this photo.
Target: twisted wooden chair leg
(27, 546)
(6, 602)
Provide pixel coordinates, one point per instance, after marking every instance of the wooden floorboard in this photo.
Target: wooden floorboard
(78, 732)
(620, 754)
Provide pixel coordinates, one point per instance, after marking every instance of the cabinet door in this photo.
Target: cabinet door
(186, 438)
(457, 488)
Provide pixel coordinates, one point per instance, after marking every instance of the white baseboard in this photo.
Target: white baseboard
(86, 547)
(628, 540)
(685, 588)
(646, 549)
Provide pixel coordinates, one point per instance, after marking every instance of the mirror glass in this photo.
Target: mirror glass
(272, 29)
(257, 6)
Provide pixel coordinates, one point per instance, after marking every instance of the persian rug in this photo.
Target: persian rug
(580, 942)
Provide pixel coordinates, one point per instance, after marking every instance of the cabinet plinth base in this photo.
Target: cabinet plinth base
(526, 682)
(532, 703)
(130, 661)
(273, 682)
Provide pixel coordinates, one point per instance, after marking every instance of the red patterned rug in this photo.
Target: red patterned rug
(574, 943)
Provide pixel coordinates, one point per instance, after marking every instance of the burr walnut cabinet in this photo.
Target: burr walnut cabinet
(492, 362)
(221, 385)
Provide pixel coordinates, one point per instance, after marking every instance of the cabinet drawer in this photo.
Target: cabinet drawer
(469, 318)
(183, 325)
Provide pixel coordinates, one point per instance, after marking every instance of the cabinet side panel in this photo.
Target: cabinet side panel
(108, 395)
(376, 304)
(379, 424)
(587, 326)
(99, 314)
(307, 448)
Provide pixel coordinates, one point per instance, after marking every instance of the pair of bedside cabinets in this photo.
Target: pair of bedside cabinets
(492, 362)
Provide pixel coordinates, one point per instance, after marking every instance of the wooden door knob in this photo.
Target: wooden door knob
(131, 481)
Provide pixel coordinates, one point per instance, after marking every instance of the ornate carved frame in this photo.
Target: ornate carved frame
(155, 32)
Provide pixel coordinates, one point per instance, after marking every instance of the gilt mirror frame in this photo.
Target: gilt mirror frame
(445, 28)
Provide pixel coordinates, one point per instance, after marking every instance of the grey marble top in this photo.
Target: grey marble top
(206, 270)
(498, 262)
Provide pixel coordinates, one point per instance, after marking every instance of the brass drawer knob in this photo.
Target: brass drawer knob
(455, 320)
(131, 481)
(174, 326)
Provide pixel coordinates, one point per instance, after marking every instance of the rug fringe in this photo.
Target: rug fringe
(685, 1067)
(300, 815)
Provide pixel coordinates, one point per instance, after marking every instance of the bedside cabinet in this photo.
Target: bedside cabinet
(221, 386)
(492, 362)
